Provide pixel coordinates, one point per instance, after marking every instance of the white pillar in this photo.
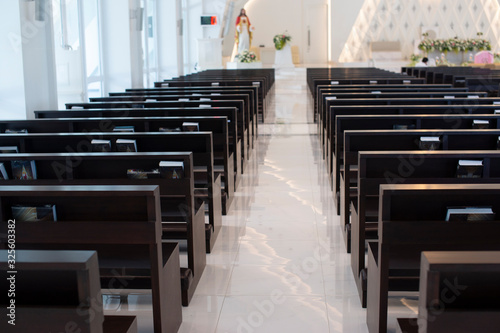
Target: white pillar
(29, 83)
(136, 51)
(12, 104)
(116, 46)
(168, 40)
(40, 83)
(180, 37)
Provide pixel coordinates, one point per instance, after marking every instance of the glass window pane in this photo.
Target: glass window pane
(94, 89)
(67, 52)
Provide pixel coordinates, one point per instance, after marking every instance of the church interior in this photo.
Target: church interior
(250, 166)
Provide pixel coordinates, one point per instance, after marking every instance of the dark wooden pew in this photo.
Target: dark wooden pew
(382, 88)
(218, 81)
(376, 80)
(334, 141)
(435, 75)
(446, 99)
(409, 167)
(178, 98)
(121, 223)
(380, 94)
(234, 127)
(481, 84)
(444, 117)
(194, 91)
(394, 261)
(207, 187)
(321, 84)
(246, 127)
(417, 99)
(351, 75)
(267, 74)
(202, 92)
(181, 216)
(475, 79)
(329, 100)
(458, 292)
(224, 143)
(370, 87)
(263, 76)
(396, 140)
(56, 288)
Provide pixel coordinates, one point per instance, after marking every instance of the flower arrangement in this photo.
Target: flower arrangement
(414, 58)
(442, 62)
(496, 57)
(247, 57)
(455, 44)
(281, 40)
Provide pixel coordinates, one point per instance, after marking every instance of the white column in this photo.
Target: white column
(29, 80)
(12, 104)
(116, 45)
(136, 51)
(40, 82)
(168, 43)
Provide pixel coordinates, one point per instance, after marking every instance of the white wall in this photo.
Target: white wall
(213, 7)
(116, 45)
(344, 14)
(12, 105)
(270, 18)
(398, 20)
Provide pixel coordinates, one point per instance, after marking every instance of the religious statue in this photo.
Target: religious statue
(243, 32)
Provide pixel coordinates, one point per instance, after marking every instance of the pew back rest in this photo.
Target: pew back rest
(420, 210)
(121, 214)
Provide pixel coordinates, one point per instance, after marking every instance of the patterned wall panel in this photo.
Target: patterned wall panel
(404, 21)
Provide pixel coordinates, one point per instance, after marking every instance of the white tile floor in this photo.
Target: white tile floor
(279, 264)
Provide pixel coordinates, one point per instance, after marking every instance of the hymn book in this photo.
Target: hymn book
(480, 124)
(429, 142)
(124, 129)
(190, 127)
(23, 169)
(126, 145)
(469, 214)
(166, 129)
(3, 172)
(143, 174)
(172, 169)
(469, 169)
(402, 126)
(9, 150)
(14, 131)
(34, 213)
(101, 145)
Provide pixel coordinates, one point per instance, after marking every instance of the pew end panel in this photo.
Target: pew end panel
(124, 228)
(394, 261)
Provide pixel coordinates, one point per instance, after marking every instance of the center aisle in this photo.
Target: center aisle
(280, 264)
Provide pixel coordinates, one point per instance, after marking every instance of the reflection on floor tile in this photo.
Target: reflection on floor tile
(279, 264)
(274, 313)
